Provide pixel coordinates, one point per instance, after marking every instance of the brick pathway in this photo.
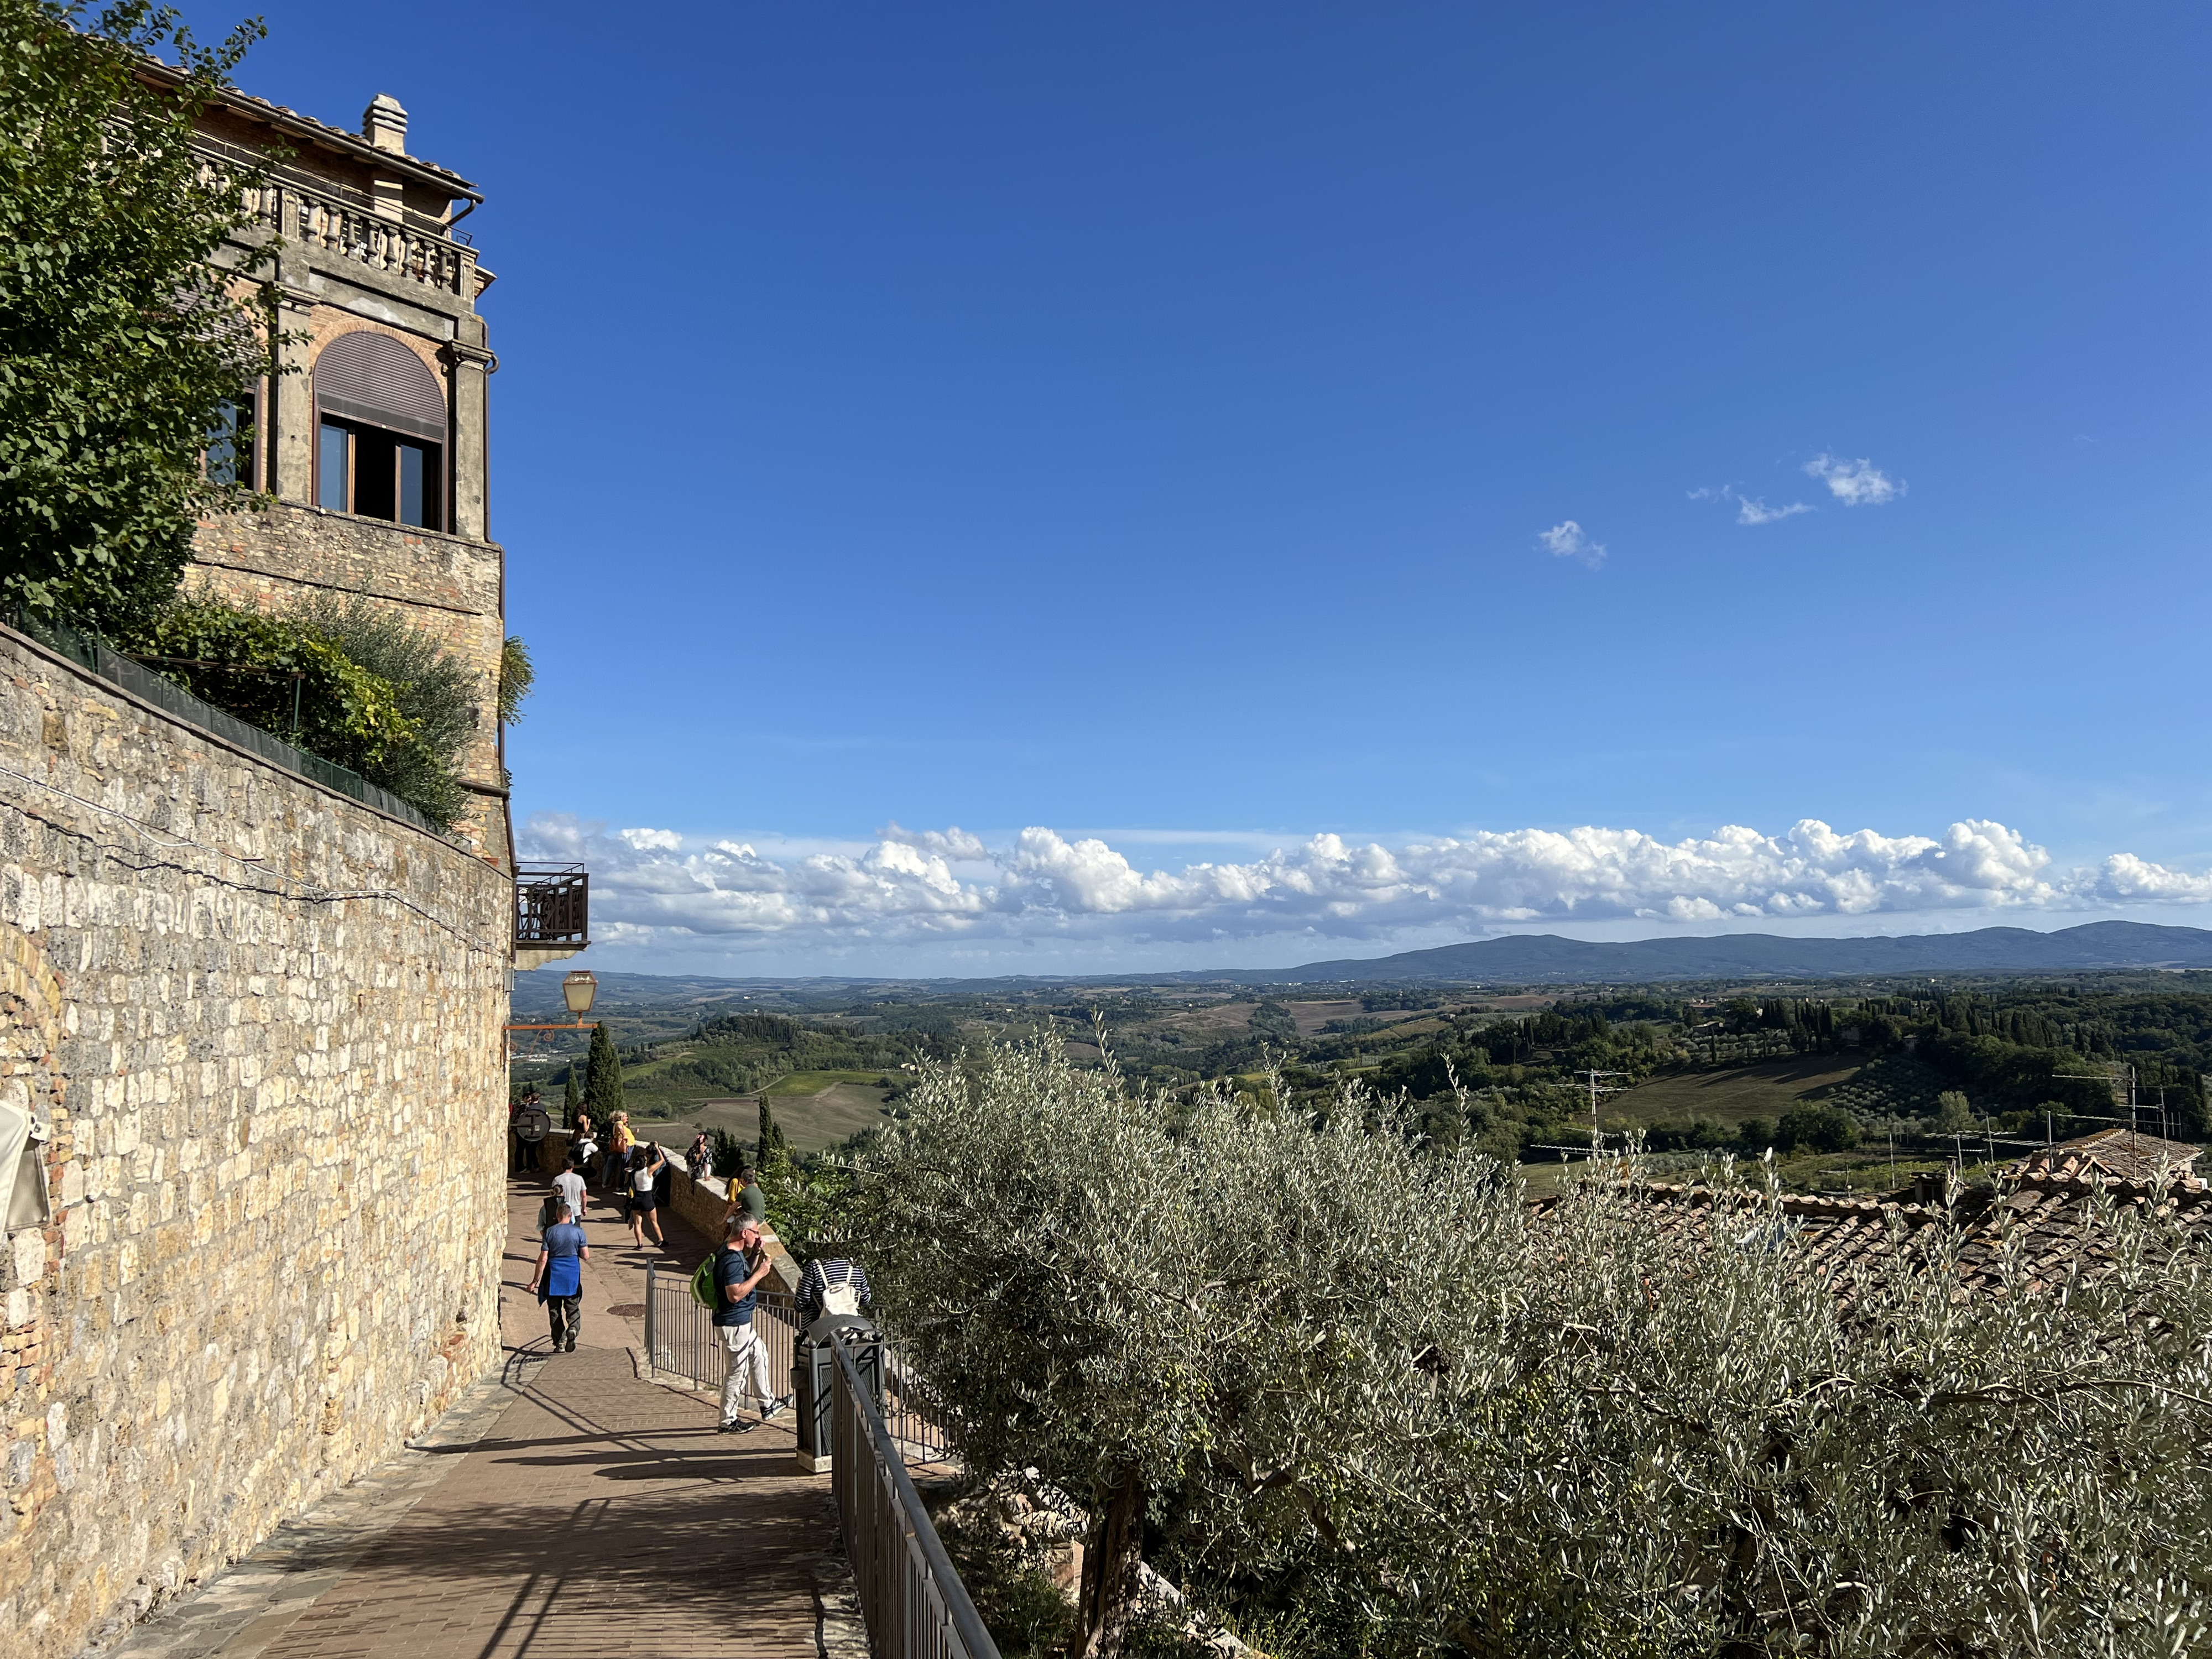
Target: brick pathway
(598, 1516)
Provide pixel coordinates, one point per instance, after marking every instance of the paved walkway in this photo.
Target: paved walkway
(597, 1515)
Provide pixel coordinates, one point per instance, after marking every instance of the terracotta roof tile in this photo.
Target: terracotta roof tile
(2050, 1216)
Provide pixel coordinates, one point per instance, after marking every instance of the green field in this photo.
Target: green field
(1767, 1090)
(814, 1109)
(813, 1083)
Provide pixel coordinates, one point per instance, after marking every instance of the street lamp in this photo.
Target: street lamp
(577, 990)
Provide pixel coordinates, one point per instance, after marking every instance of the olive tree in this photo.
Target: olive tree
(1174, 1311)
(1364, 1398)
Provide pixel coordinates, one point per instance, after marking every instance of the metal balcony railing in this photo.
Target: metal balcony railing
(552, 905)
(911, 1598)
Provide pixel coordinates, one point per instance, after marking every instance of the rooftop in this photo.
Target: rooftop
(2058, 1210)
(2120, 1154)
(352, 146)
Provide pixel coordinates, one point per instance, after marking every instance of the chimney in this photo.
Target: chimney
(384, 124)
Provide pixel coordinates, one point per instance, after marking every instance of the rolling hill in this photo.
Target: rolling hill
(1547, 957)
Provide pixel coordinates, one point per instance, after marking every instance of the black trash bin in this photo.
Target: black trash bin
(812, 1362)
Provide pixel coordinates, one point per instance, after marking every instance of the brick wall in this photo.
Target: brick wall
(266, 1022)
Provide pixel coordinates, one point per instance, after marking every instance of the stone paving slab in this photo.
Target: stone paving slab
(566, 1508)
(602, 1515)
(238, 1614)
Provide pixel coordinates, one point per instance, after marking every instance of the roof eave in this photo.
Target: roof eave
(334, 139)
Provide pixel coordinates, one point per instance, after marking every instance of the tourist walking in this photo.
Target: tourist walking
(834, 1285)
(739, 1270)
(646, 1163)
(559, 1280)
(618, 1143)
(569, 1186)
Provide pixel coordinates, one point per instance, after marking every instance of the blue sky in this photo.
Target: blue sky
(1139, 427)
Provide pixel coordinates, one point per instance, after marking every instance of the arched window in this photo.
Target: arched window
(380, 433)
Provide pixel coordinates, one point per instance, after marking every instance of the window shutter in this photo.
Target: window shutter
(373, 379)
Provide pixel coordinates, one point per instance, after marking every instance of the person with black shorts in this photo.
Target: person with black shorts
(644, 1171)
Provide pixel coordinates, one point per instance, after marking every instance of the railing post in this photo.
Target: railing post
(651, 1314)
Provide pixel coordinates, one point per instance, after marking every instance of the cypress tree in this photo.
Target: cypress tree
(768, 1143)
(603, 1088)
(571, 1098)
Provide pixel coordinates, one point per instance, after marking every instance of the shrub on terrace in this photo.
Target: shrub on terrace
(377, 696)
(1360, 1399)
(435, 695)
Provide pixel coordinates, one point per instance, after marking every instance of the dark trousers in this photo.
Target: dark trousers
(567, 1314)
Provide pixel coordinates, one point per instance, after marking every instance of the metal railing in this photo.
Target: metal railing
(552, 905)
(917, 1418)
(91, 652)
(913, 1602)
(681, 1340)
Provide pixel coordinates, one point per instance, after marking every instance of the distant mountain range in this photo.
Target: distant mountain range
(1546, 958)
(1518, 959)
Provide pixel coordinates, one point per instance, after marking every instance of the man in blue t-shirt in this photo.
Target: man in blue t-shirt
(738, 1271)
(559, 1280)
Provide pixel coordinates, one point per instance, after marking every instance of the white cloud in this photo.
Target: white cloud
(1749, 509)
(1855, 484)
(954, 843)
(1566, 540)
(2124, 879)
(655, 887)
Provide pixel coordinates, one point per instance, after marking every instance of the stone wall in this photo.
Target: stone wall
(266, 1022)
(444, 586)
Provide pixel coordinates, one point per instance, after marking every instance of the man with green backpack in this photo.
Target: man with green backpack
(738, 1271)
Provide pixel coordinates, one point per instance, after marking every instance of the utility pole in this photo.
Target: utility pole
(2111, 1078)
(1592, 1076)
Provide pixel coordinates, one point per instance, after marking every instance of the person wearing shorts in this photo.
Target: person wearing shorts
(644, 1170)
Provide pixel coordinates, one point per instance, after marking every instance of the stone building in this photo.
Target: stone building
(373, 443)
(251, 1020)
